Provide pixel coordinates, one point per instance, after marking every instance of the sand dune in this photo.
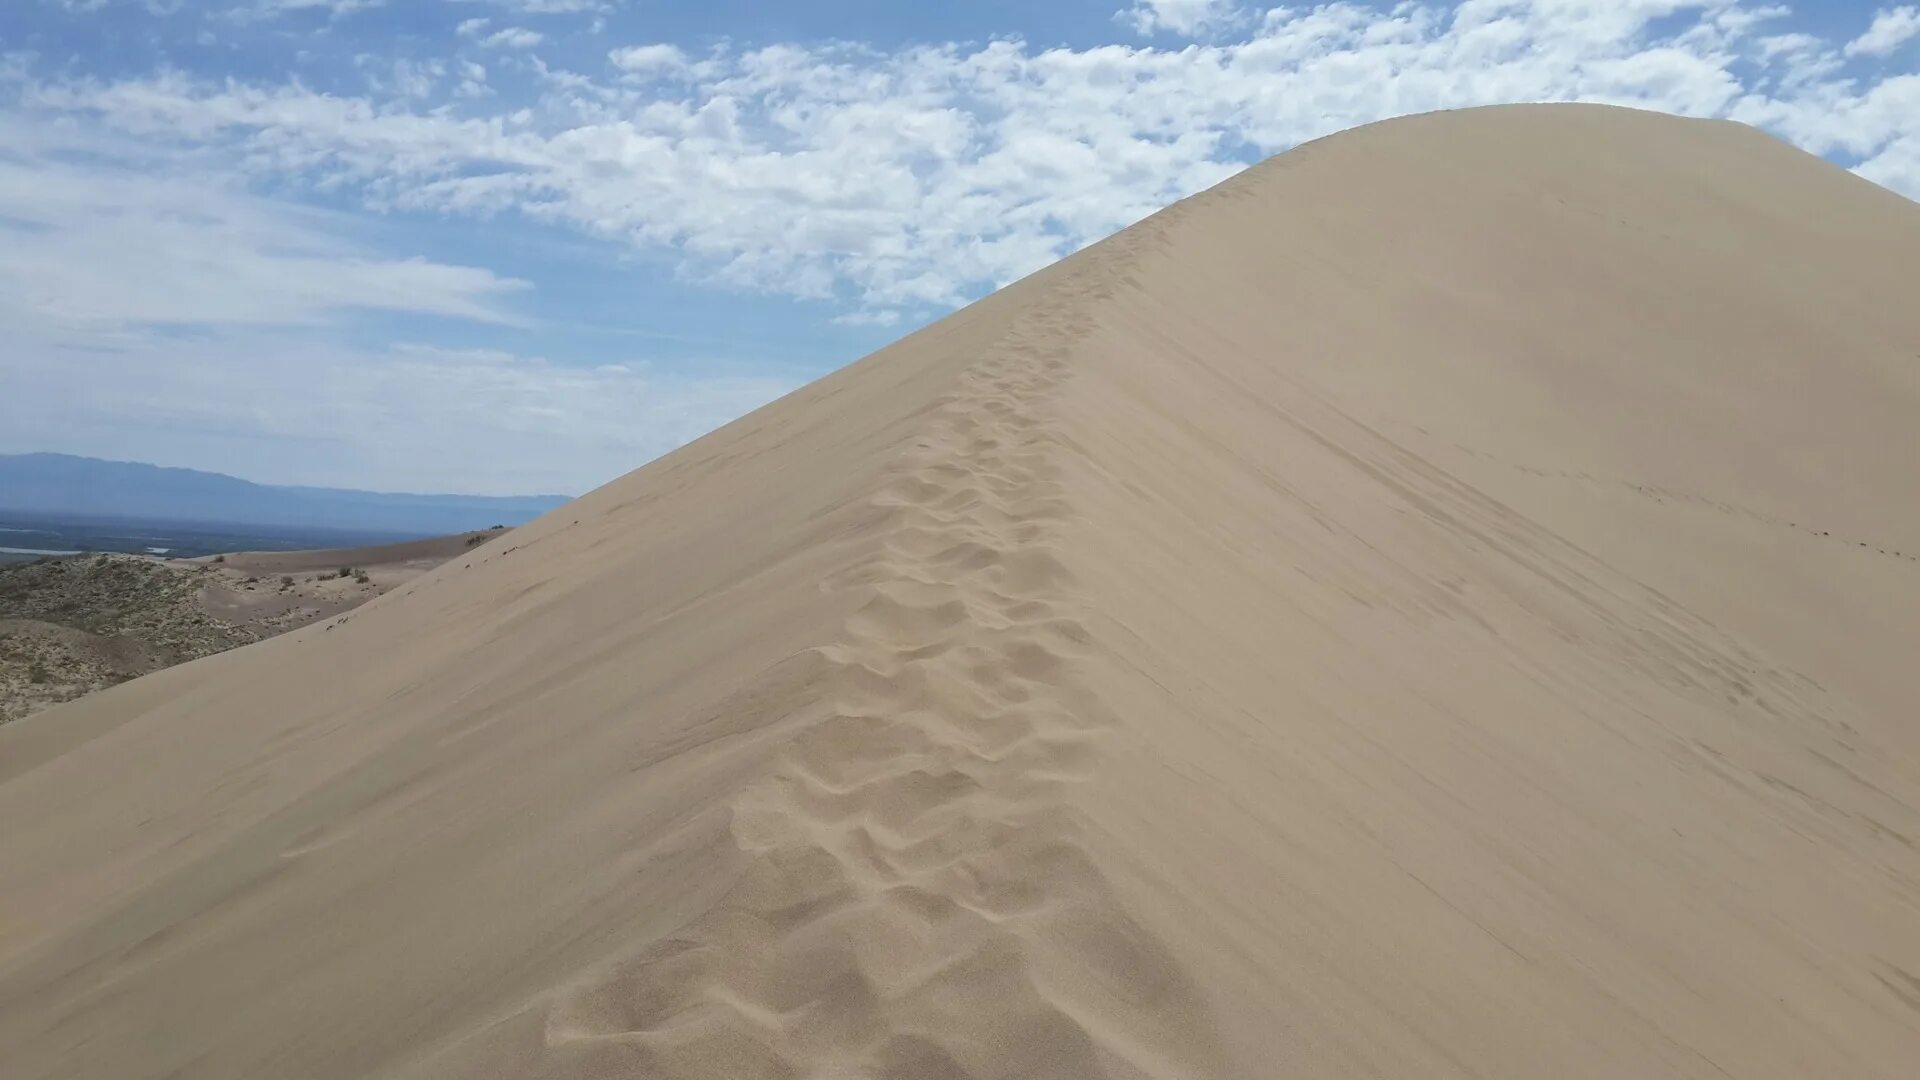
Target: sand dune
(1441, 603)
(272, 592)
(405, 555)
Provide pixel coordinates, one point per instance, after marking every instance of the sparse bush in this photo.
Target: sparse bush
(345, 571)
(219, 558)
(286, 581)
(37, 673)
(360, 576)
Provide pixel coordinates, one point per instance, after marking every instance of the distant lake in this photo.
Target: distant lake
(25, 537)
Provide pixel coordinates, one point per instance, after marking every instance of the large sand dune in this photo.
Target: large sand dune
(1443, 603)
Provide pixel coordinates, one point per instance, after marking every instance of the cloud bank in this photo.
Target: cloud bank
(919, 177)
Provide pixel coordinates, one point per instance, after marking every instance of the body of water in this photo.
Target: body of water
(24, 537)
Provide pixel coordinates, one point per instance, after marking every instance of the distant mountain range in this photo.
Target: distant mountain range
(63, 484)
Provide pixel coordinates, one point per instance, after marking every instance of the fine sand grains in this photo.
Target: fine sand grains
(914, 859)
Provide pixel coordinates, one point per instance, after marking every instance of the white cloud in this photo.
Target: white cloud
(473, 80)
(913, 179)
(882, 317)
(401, 418)
(154, 312)
(1185, 18)
(402, 78)
(547, 7)
(151, 7)
(111, 253)
(334, 8)
(1892, 28)
(649, 60)
(148, 287)
(514, 37)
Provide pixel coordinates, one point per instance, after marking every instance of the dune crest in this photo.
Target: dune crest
(912, 861)
(1437, 604)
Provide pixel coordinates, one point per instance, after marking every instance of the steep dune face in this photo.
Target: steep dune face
(1439, 604)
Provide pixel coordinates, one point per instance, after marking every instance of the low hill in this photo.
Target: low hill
(69, 627)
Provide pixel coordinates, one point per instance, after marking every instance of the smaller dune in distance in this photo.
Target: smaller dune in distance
(71, 626)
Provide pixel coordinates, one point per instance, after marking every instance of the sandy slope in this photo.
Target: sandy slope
(405, 555)
(1439, 604)
(71, 627)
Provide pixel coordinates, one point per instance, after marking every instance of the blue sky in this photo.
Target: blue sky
(527, 245)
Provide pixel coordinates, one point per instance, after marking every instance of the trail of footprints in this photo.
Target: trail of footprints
(920, 903)
(1668, 495)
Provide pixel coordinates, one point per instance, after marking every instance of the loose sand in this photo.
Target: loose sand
(271, 592)
(1440, 604)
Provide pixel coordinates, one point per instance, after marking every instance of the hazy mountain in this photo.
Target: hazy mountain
(63, 484)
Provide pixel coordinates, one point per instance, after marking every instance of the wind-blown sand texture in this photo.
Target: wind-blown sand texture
(1440, 604)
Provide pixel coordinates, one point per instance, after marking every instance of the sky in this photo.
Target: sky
(517, 246)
